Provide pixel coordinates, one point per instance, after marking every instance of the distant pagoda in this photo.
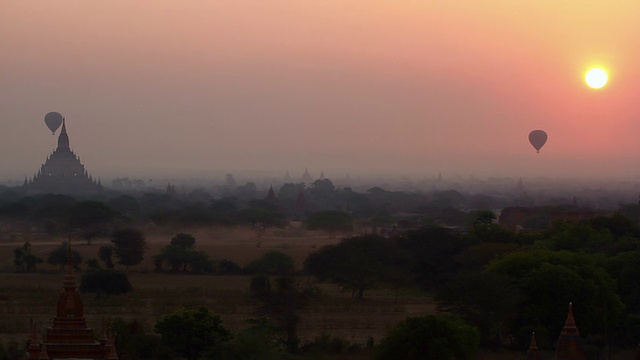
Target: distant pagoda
(62, 173)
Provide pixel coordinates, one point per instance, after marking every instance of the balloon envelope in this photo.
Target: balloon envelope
(53, 120)
(537, 138)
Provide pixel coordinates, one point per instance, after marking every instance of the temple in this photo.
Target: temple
(271, 198)
(62, 173)
(533, 353)
(569, 345)
(69, 337)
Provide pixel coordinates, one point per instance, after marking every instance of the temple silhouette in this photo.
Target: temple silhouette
(569, 345)
(62, 173)
(69, 337)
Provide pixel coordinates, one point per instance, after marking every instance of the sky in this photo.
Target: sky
(416, 87)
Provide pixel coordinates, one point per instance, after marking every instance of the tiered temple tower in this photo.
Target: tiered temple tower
(62, 173)
(533, 353)
(569, 346)
(271, 197)
(69, 337)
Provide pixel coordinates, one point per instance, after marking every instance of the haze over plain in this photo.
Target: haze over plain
(362, 86)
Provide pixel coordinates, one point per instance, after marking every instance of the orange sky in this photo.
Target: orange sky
(359, 86)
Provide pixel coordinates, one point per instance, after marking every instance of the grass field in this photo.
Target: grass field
(34, 295)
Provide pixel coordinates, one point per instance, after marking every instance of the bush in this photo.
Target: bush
(191, 332)
(132, 342)
(439, 337)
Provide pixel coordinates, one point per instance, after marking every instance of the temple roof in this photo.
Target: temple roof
(63, 138)
(533, 353)
(271, 196)
(569, 345)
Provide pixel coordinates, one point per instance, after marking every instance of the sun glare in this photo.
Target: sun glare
(596, 78)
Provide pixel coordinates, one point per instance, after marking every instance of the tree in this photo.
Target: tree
(488, 301)
(223, 211)
(199, 262)
(15, 213)
(624, 269)
(433, 337)
(59, 256)
(185, 241)
(105, 282)
(323, 195)
(282, 302)
(180, 255)
(255, 343)
(330, 221)
(358, 264)
(129, 245)
(262, 218)
(272, 263)
(53, 212)
(549, 280)
(484, 229)
(91, 217)
(432, 250)
(126, 205)
(24, 260)
(190, 332)
(105, 253)
(134, 343)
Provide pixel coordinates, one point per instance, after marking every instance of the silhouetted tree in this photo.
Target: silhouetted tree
(126, 205)
(432, 250)
(128, 246)
(190, 332)
(24, 260)
(91, 218)
(359, 263)
(272, 263)
(105, 253)
(133, 343)
(185, 241)
(434, 337)
(549, 280)
(282, 302)
(330, 221)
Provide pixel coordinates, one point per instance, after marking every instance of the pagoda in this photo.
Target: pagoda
(533, 353)
(69, 337)
(62, 173)
(271, 197)
(569, 345)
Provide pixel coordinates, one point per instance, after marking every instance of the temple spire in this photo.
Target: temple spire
(63, 138)
(34, 347)
(569, 346)
(43, 353)
(271, 196)
(533, 353)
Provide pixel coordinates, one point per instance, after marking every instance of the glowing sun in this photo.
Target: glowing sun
(596, 78)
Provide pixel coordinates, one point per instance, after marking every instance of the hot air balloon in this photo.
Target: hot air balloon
(53, 121)
(538, 138)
